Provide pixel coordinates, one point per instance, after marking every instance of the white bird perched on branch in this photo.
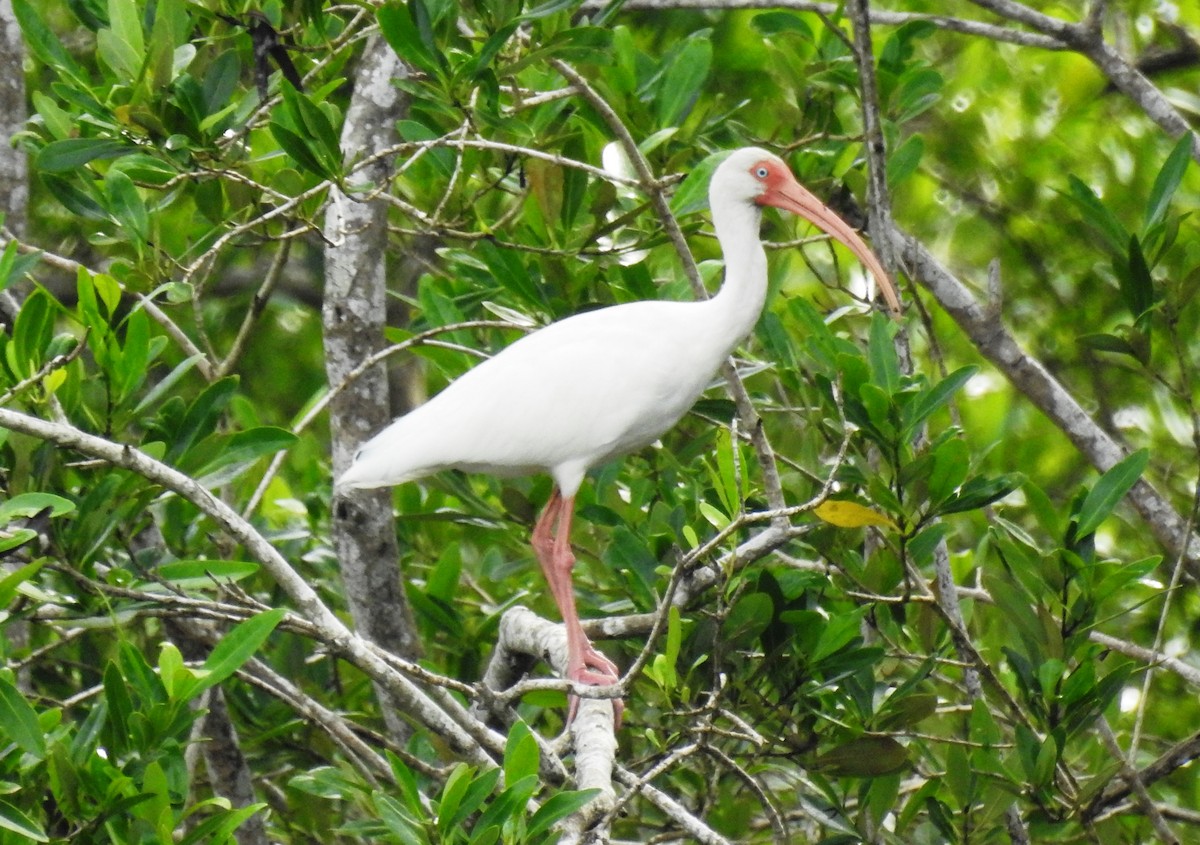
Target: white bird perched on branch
(603, 383)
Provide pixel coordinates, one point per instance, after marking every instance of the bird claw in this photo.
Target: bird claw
(599, 665)
(598, 671)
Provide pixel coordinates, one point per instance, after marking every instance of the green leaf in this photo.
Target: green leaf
(13, 819)
(298, 148)
(406, 782)
(19, 721)
(8, 265)
(12, 540)
(510, 804)
(981, 491)
(558, 807)
(128, 208)
(169, 31)
(398, 820)
(120, 57)
(881, 352)
(775, 23)
(174, 674)
(139, 675)
(219, 828)
(241, 450)
(202, 415)
(74, 199)
(73, 153)
(163, 387)
(311, 121)
(692, 194)
(548, 8)
(521, 755)
(424, 24)
(1097, 215)
(236, 647)
(908, 711)
(932, 399)
(1110, 489)
(120, 708)
(125, 20)
(1133, 275)
(510, 271)
(43, 42)
(479, 790)
(135, 355)
(683, 79)
(747, 619)
(452, 794)
(1167, 181)
(31, 504)
(904, 161)
(865, 757)
(203, 574)
(14, 579)
(1104, 342)
(951, 462)
(220, 82)
(401, 31)
(1047, 760)
(31, 333)
(839, 631)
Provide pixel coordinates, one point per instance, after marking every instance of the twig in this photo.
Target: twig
(951, 24)
(55, 363)
(696, 829)
(1134, 780)
(993, 339)
(326, 624)
(261, 297)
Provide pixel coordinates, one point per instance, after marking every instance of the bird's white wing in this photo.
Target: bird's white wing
(578, 392)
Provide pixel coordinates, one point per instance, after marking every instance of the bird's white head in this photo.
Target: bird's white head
(756, 176)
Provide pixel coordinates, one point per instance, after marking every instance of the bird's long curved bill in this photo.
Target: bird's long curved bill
(794, 197)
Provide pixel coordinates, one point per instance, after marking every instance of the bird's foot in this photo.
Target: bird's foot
(594, 669)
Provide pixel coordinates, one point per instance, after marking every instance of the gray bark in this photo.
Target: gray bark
(14, 201)
(354, 316)
(14, 170)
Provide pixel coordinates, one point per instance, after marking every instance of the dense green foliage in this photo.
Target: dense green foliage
(180, 192)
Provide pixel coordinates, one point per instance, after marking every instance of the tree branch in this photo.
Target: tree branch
(325, 623)
(881, 16)
(993, 339)
(353, 316)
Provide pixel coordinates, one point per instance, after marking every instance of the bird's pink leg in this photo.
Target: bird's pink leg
(552, 544)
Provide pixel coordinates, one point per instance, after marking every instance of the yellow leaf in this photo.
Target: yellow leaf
(850, 514)
(54, 380)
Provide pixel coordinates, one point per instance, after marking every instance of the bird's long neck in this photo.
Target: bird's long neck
(737, 306)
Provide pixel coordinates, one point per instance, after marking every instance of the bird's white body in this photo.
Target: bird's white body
(583, 390)
(563, 399)
(601, 384)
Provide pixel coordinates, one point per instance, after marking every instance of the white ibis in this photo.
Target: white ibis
(602, 384)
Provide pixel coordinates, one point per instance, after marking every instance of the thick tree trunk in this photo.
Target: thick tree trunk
(14, 201)
(354, 314)
(14, 171)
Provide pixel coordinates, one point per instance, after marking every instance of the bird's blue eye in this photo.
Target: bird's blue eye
(760, 172)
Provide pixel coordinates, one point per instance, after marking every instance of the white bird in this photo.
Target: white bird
(602, 384)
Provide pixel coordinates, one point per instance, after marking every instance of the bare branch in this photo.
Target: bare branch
(882, 16)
